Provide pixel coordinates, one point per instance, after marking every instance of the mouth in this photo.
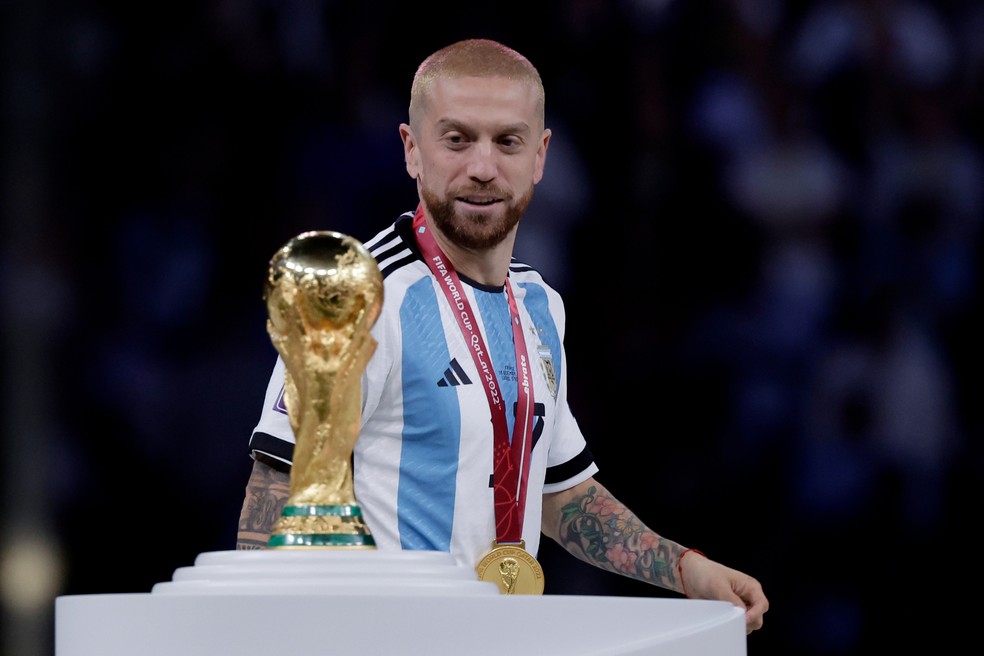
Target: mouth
(479, 201)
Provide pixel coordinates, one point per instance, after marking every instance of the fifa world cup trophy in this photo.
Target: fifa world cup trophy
(323, 294)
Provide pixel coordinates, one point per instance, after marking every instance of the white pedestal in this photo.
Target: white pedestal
(262, 603)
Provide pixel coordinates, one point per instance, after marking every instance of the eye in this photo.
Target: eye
(510, 142)
(455, 139)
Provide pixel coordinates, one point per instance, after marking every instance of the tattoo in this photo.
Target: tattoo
(266, 495)
(602, 531)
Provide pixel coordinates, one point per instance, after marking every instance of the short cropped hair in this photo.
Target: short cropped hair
(473, 58)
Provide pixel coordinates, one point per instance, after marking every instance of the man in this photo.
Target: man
(467, 443)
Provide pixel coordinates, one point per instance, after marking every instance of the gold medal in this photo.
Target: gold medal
(512, 568)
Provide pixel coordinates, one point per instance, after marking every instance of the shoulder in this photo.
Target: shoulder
(522, 272)
(394, 247)
(402, 266)
(526, 276)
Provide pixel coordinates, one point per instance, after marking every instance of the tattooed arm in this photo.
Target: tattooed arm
(266, 494)
(599, 529)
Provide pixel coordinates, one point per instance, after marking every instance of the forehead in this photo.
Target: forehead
(482, 101)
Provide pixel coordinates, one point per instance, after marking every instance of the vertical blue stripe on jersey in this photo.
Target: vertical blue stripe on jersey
(537, 304)
(431, 434)
(494, 308)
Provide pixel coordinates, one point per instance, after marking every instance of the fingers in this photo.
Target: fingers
(754, 619)
(712, 580)
(756, 604)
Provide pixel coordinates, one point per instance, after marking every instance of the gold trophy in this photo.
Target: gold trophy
(323, 294)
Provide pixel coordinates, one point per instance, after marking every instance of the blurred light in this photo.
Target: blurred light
(31, 571)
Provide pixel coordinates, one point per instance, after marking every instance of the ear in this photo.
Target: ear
(541, 157)
(410, 151)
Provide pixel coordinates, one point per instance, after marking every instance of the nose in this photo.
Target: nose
(482, 164)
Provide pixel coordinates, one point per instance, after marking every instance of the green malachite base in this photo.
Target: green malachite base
(322, 540)
(321, 526)
(308, 510)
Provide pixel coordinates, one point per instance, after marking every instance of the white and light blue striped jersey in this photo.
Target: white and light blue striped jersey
(423, 459)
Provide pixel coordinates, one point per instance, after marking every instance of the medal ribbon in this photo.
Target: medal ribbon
(510, 458)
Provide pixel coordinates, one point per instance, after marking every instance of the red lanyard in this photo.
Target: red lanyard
(511, 462)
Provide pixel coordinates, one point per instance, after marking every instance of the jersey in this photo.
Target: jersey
(423, 460)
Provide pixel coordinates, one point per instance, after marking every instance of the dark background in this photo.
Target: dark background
(765, 218)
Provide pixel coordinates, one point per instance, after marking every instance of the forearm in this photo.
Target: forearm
(599, 529)
(266, 493)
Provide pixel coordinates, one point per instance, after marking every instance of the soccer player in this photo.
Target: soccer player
(467, 443)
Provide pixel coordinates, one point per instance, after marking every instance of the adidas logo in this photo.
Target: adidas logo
(281, 404)
(454, 376)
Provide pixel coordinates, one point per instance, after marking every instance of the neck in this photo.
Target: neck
(487, 266)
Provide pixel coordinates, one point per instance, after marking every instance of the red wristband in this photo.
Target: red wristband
(680, 566)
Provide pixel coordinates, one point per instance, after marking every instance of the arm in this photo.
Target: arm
(266, 494)
(599, 529)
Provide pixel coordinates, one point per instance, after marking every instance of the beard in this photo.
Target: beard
(475, 230)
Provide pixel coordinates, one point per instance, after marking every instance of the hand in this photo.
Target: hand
(704, 578)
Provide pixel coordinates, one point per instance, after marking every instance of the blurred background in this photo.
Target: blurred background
(765, 217)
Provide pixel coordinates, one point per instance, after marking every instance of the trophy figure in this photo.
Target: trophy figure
(323, 294)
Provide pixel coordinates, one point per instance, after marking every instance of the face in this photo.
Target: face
(477, 154)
